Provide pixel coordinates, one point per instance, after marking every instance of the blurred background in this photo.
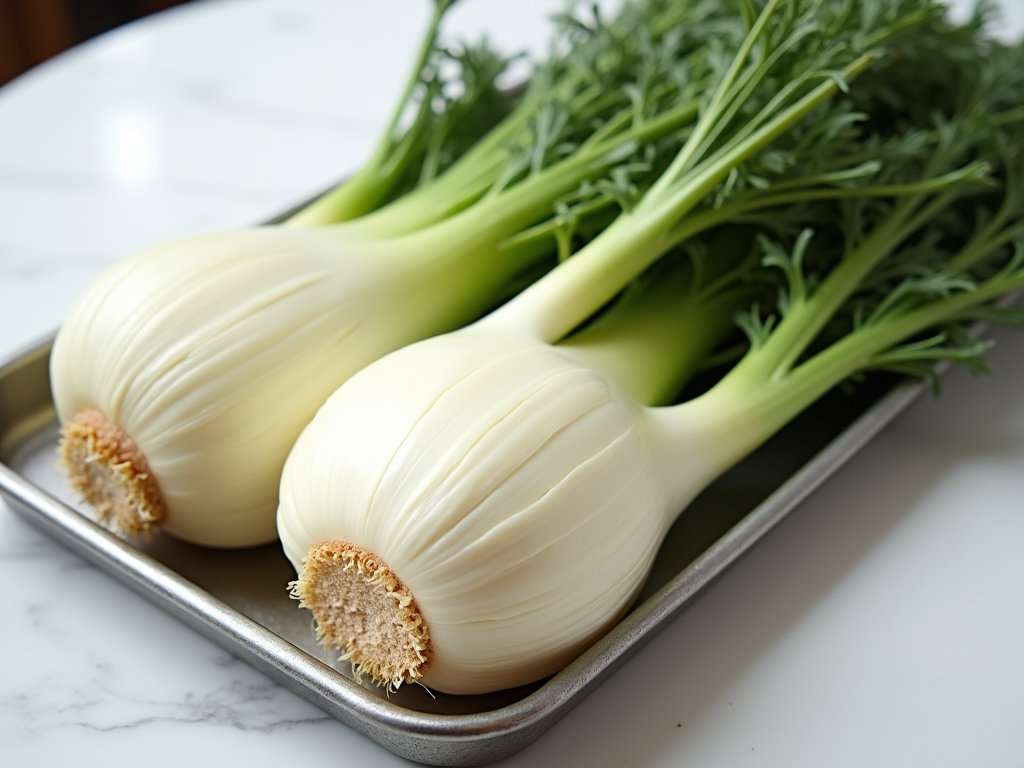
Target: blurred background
(32, 31)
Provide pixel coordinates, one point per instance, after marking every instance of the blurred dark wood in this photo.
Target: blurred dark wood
(32, 31)
(93, 17)
(152, 6)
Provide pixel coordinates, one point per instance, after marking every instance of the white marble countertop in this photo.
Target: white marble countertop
(881, 624)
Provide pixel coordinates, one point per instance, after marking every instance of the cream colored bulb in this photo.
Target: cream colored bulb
(206, 357)
(502, 490)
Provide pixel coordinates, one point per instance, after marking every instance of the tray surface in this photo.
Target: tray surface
(239, 598)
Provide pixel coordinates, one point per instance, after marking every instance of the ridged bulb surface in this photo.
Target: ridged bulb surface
(509, 488)
(212, 353)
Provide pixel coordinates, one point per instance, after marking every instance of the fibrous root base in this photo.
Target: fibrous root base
(106, 466)
(360, 605)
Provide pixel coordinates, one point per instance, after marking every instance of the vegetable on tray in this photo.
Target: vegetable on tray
(510, 302)
(472, 511)
(184, 374)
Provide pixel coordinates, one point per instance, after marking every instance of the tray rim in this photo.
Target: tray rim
(461, 739)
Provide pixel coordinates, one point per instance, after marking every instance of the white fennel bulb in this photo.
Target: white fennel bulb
(471, 511)
(509, 488)
(213, 352)
(184, 374)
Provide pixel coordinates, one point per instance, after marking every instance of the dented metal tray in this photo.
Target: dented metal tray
(238, 598)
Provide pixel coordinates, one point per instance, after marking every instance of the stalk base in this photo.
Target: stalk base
(106, 466)
(360, 605)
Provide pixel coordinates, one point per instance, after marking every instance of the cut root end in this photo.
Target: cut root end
(361, 606)
(106, 466)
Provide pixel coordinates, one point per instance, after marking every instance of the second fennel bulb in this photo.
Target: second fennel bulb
(522, 530)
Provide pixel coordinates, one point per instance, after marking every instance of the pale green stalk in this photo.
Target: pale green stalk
(658, 334)
(555, 305)
(471, 181)
(744, 409)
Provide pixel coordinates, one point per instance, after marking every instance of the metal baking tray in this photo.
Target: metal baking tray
(238, 598)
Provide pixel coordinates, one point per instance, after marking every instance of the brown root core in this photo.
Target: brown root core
(360, 605)
(106, 466)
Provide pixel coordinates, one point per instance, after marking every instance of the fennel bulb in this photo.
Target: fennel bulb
(262, 326)
(471, 511)
(184, 374)
(506, 500)
(509, 496)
